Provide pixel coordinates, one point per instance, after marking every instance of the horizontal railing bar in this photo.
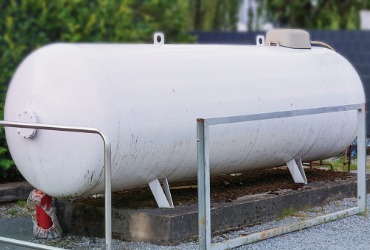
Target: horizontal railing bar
(51, 127)
(281, 114)
(27, 244)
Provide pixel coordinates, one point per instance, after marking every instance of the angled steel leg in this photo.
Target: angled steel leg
(162, 195)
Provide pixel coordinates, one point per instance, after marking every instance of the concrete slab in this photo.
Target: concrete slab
(15, 191)
(170, 226)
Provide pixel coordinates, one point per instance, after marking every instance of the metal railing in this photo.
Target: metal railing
(204, 215)
(107, 177)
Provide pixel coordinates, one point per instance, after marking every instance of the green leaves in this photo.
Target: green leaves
(318, 14)
(211, 15)
(6, 163)
(28, 24)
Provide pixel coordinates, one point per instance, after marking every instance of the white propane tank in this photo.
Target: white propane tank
(146, 98)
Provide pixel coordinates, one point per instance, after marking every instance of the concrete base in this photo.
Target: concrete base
(170, 226)
(15, 191)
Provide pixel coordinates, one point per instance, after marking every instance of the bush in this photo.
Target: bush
(7, 167)
(308, 14)
(28, 24)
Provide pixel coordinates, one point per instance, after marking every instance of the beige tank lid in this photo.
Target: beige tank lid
(291, 38)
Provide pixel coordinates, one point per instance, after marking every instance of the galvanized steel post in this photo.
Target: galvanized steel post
(204, 200)
(107, 176)
(204, 174)
(361, 158)
(27, 244)
(108, 193)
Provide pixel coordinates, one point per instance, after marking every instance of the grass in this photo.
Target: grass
(22, 203)
(364, 213)
(12, 212)
(287, 212)
(337, 164)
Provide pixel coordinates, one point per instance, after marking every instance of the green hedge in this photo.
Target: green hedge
(28, 24)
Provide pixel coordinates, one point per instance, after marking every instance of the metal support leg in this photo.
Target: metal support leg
(361, 159)
(167, 192)
(204, 200)
(162, 197)
(295, 167)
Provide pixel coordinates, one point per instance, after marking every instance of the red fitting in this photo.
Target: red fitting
(43, 219)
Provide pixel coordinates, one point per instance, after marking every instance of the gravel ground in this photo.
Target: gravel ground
(11, 210)
(348, 233)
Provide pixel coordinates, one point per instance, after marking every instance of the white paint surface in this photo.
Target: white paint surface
(147, 98)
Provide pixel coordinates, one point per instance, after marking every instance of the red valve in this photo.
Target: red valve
(43, 219)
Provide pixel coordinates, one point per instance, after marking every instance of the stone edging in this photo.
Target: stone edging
(15, 191)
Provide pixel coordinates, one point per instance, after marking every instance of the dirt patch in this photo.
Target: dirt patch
(224, 188)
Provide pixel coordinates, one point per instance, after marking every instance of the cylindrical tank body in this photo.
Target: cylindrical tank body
(147, 98)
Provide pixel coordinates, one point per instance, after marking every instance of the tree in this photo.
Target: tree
(26, 25)
(315, 14)
(208, 15)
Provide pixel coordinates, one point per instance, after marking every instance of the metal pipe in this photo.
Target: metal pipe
(107, 168)
(281, 114)
(108, 193)
(285, 229)
(27, 244)
(204, 222)
(361, 158)
(204, 199)
(322, 44)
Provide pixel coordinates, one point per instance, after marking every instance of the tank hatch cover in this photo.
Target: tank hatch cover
(290, 38)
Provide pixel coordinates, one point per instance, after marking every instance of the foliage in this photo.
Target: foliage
(21, 203)
(208, 15)
(12, 212)
(338, 164)
(5, 160)
(315, 14)
(28, 24)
